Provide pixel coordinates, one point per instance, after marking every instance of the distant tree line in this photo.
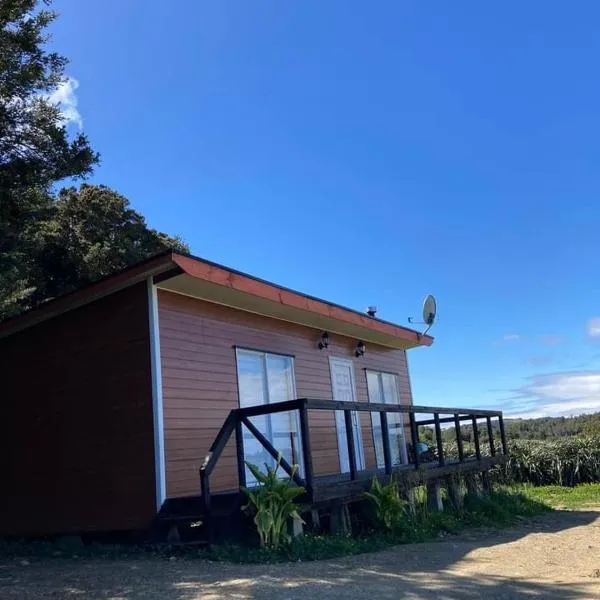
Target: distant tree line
(52, 240)
(544, 428)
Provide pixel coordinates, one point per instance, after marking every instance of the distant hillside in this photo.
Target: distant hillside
(544, 428)
(552, 427)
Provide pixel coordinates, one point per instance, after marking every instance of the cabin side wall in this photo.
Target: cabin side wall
(77, 435)
(199, 380)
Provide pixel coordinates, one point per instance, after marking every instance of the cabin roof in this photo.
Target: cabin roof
(212, 282)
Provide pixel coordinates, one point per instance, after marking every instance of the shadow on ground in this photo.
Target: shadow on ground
(543, 558)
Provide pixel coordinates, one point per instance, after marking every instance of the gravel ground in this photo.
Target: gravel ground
(556, 556)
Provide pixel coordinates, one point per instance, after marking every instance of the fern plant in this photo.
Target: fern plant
(272, 502)
(390, 508)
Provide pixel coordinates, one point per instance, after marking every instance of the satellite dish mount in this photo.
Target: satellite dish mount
(429, 314)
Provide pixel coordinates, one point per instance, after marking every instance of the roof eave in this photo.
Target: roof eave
(215, 283)
(218, 284)
(109, 285)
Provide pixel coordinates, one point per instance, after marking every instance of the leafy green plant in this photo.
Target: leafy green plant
(272, 502)
(390, 508)
(495, 510)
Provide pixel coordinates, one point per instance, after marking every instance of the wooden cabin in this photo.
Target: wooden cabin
(119, 398)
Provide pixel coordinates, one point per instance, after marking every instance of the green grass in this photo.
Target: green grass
(555, 496)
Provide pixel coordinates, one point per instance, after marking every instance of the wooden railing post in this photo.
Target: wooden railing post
(385, 438)
(491, 435)
(476, 437)
(306, 450)
(459, 442)
(206, 499)
(503, 435)
(239, 448)
(350, 442)
(414, 438)
(438, 438)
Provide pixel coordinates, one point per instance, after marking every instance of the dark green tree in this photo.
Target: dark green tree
(36, 150)
(542, 428)
(52, 243)
(91, 232)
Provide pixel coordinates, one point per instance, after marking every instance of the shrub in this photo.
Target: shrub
(272, 503)
(562, 461)
(390, 508)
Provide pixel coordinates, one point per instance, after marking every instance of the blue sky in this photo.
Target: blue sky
(369, 153)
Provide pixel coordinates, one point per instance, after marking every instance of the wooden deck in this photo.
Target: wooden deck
(342, 487)
(209, 508)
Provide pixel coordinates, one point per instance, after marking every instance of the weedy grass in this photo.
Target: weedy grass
(556, 496)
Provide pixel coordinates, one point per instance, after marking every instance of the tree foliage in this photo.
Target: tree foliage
(36, 150)
(91, 232)
(546, 428)
(51, 243)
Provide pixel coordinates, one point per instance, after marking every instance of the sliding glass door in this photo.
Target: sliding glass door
(266, 378)
(384, 389)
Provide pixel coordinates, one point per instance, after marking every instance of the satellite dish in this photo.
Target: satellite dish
(429, 310)
(429, 313)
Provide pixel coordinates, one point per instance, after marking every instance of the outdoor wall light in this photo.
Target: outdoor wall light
(324, 342)
(360, 349)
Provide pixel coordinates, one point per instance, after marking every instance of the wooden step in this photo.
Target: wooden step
(175, 517)
(188, 544)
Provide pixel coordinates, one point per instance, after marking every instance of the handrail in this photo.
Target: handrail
(214, 452)
(318, 404)
(219, 443)
(401, 408)
(458, 415)
(267, 409)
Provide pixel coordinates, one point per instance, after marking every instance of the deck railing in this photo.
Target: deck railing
(241, 417)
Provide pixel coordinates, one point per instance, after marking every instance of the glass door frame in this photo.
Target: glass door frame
(340, 424)
(375, 419)
(294, 417)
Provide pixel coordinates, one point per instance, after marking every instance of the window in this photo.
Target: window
(265, 378)
(384, 389)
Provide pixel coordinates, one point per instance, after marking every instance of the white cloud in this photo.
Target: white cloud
(557, 394)
(551, 340)
(65, 98)
(511, 337)
(592, 327)
(508, 338)
(540, 360)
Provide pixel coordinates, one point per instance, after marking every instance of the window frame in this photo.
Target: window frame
(375, 416)
(294, 416)
(263, 356)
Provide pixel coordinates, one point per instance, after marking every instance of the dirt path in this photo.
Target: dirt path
(553, 557)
